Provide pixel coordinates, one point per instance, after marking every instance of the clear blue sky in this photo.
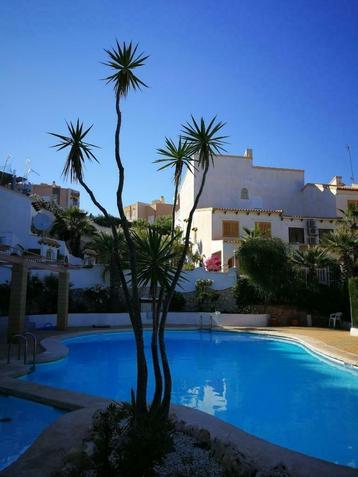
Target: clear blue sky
(282, 74)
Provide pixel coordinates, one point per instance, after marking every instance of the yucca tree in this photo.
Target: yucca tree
(155, 270)
(71, 225)
(311, 260)
(251, 234)
(179, 157)
(343, 245)
(105, 245)
(123, 60)
(205, 140)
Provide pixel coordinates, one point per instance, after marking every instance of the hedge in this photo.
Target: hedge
(353, 296)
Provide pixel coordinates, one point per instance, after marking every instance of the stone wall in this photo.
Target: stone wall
(225, 303)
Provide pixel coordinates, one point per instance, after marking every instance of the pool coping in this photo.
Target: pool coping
(258, 450)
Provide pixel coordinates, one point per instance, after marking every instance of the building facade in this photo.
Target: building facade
(61, 196)
(239, 195)
(149, 212)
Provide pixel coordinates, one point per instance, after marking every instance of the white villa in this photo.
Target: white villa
(239, 194)
(17, 235)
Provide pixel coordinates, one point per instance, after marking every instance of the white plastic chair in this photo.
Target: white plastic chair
(333, 318)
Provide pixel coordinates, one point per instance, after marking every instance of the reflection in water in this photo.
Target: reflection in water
(206, 399)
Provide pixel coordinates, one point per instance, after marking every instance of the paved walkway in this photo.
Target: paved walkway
(338, 344)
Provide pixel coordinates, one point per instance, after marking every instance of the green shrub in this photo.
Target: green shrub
(353, 295)
(246, 294)
(178, 302)
(4, 298)
(265, 262)
(205, 296)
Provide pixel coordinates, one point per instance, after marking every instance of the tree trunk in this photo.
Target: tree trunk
(136, 319)
(114, 286)
(174, 208)
(155, 354)
(165, 406)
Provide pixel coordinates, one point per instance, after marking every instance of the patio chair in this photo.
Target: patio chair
(334, 318)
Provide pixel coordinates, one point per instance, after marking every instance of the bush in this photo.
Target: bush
(4, 298)
(353, 296)
(265, 262)
(206, 297)
(121, 446)
(213, 264)
(247, 294)
(178, 302)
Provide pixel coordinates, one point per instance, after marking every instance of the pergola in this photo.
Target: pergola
(20, 266)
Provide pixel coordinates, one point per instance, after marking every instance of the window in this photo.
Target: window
(323, 232)
(244, 193)
(264, 228)
(231, 228)
(296, 235)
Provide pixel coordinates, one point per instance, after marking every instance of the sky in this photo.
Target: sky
(282, 74)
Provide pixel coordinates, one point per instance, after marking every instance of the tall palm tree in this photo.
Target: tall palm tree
(123, 60)
(71, 225)
(179, 157)
(206, 141)
(105, 245)
(343, 245)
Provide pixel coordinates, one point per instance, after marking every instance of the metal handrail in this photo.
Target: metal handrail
(20, 337)
(34, 343)
(210, 324)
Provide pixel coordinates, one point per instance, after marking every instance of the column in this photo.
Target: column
(17, 307)
(62, 300)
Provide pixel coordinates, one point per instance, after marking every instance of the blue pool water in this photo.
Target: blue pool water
(273, 389)
(23, 421)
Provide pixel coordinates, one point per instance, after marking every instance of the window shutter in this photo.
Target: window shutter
(231, 228)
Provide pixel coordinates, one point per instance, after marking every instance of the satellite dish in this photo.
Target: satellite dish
(43, 220)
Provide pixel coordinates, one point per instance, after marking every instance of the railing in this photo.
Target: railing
(210, 323)
(23, 338)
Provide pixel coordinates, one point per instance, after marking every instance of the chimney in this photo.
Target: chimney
(337, 181)
(248, 153)
(162, 200)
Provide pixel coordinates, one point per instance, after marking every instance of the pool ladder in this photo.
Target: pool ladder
(209, 326)
(23, 338)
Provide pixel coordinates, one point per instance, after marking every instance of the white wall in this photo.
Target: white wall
(186, 199)
(122, 319)
(89, 277)
(15, 214)
(269, 188)
(221, 281)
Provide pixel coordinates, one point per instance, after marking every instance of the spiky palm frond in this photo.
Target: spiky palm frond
(251, 234)
(204, 139)
(154, 257)
(177, 156)
(123, 60)
(343, 245)
(79, 150)
(312, 258)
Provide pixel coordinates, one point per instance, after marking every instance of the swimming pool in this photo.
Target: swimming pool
(273, 389)
(21, 422)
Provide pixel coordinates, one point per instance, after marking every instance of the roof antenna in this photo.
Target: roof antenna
(350, 162)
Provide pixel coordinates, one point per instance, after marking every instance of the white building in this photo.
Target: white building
(239, 195)
(17, 235)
